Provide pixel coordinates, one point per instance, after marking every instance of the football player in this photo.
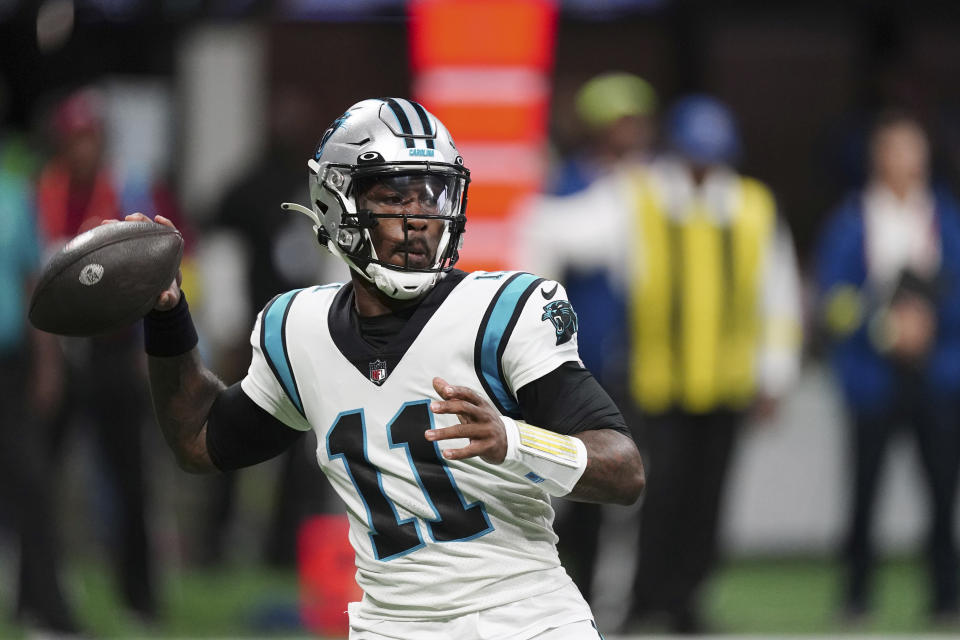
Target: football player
(448, 406)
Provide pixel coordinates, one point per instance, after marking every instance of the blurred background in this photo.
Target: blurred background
(205, 111)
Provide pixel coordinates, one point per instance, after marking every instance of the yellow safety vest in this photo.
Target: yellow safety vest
(695, 315)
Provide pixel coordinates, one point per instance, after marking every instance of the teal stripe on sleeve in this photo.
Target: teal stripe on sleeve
(273, 342)
(495, 331)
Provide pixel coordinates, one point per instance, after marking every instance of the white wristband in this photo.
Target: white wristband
(548, 459)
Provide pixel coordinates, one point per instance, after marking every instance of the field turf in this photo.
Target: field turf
(758, 597)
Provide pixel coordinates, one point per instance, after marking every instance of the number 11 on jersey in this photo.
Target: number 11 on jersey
(390, 536)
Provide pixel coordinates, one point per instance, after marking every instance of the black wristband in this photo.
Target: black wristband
(169, 333)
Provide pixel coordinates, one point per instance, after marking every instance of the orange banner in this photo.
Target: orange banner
(492, 32)
(500, 123)
(483, 69)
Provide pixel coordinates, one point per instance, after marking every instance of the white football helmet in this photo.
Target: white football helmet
(387, 141)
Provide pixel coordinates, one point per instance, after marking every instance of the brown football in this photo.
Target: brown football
(105, 279)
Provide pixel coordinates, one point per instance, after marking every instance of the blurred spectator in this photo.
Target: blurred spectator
(281, 254)
(616, 111)
(888, 268)
(31, 379)
(105, 375)
(711, 304)
(715, 336)
(708, 276)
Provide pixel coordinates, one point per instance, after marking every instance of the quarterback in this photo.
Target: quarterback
(448, 406)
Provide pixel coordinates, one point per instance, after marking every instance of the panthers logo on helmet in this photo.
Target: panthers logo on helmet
(563, 317)
(329, 132)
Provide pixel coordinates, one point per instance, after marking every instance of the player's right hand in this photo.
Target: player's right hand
(171, 296)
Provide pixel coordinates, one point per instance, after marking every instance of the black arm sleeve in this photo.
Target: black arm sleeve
(569, 400)
(241, 434)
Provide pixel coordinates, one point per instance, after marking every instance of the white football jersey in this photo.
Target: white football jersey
(433, 538)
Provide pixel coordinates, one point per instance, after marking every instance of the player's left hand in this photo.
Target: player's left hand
(479, 422)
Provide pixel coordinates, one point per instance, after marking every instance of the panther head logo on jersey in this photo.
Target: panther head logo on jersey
(563, 317)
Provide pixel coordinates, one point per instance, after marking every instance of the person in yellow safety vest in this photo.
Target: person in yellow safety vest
(714, 317)
(709, 279)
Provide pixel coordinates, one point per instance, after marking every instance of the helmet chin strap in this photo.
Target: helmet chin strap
(293, 206)
(318, 229)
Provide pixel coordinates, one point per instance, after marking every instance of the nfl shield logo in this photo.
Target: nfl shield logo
(378, 371)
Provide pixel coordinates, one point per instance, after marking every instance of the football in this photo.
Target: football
(105, 279)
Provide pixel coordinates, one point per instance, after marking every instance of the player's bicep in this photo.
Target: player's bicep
(240, 433)
(569, 400)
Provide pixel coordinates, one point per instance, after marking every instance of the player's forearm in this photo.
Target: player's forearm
(614, 472)
(183, 391)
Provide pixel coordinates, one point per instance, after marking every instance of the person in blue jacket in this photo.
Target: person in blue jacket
(888, 271)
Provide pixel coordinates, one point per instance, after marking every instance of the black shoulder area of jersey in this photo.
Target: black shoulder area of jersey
(377, 362)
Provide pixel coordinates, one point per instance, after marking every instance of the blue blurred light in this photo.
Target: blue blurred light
(110, 10)
(8, 8)
(337, 10)
(608, 9)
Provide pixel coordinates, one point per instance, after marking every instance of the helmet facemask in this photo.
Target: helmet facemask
(418, 201)
(412, 196)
